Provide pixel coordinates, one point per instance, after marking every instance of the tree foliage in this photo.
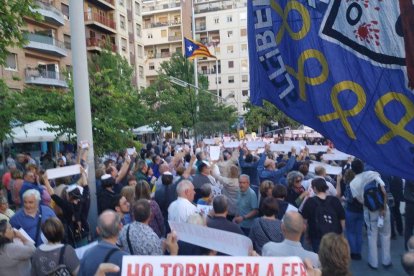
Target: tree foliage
(115, 104)
(12, 14)
(175, 106)
(262, 117)
(8, 110)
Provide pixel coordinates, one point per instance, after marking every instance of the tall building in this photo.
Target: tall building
(47, 54)
(220, 24)
(165, 22)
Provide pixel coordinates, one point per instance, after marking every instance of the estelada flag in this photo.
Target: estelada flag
(195, 49)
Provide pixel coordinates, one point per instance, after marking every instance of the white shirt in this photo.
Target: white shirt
(180, 209)
(357, 184)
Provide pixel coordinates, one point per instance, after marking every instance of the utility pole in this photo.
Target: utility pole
(82, 98)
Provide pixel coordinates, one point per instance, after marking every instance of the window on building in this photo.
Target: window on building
(151, 66)
(122, 22)
(243, 47)
(219, 80)
(65, 10)
(230, 49)
(245, 78)
(217, 20)
(149, 35)
(179, 49)
(243, 16)
(140, 51)
(229, 18)
(141, 72)
(163, 33)
(138, 29)
(66, 41)
(11, 62)
(217, 50)
(124, 44)
(137, 8)
(243, 32)
(244, 64)
(231, 79)
(229, 33)
(231, 64)
(245, 93)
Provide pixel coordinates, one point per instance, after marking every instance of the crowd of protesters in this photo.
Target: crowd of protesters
(272, 198)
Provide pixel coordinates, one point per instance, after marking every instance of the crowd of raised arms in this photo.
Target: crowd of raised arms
(286, 206)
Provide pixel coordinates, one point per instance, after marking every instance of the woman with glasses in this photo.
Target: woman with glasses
(296, 193)
(15, 251)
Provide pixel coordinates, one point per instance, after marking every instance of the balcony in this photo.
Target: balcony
(162, 24)
(159, 55)
(175, 38)
(154, 9)
(201, 27)
(96, 44)
(45, 44)
(50, 13)
(46, 78)
(104, 4)
(129, 15)
(103, 23)
(209, 71)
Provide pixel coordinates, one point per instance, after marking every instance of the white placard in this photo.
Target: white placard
(204, 209)
(214, 153)
(209, 141)
(131, 151)
(230, 145)
(63, 171)
(336, 155)
(317, 148)
(81, 250)
(254, 145)
(214, 239)
(280, 148)
(332, 170)
(211, 265)
(296, 144)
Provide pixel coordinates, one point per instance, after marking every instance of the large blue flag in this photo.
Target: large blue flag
(343, 67)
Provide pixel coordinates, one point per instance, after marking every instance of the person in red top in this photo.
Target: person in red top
(6, 178)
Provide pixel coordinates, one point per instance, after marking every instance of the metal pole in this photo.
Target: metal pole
(217, 83)
(195, 61)
(82, 98)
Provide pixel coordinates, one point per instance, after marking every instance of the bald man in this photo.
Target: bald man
(292, 228)
(106, 251)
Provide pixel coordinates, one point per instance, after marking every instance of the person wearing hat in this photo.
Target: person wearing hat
(75, 209)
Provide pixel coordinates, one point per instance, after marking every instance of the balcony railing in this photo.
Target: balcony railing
(174, 38)
(44, 77)
(209, 71)
(50, 12)
(162, 24)
(211, 8)
(201, 27)
(96, 42)
(94, 16)
(160, 7)
(46, 44)
(159, 55)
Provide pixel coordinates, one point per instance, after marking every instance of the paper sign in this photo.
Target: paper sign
(254, 145)
(280, 148)
(214, 153)
(317, 148)
(296, 144)
(131, 151)
(209, 141)
(336, 155)
(209, 265)
(63, 171)
(221, 241)
(204, 209)
(332, 170)
(229, 145)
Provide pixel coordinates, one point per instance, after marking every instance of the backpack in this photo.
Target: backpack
(373, 196)
(61, 269)
(326, 218)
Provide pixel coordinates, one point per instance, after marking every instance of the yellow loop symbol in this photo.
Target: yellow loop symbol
(344, 114)
(300, 75)
(291, 6)
(399, 128)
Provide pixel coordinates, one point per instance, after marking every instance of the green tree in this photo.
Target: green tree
(115, 104)
(175, 106)
(8, 110)
(258, 118)
(12, 14)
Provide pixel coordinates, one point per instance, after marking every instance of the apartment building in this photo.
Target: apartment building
(222, 26)
(165, 22)
(47, 55)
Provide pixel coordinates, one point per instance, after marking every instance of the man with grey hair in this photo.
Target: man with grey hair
(106, 251)
(180, 209)
(218, 219)
(32, 215)
(247, 205)
(293, 227)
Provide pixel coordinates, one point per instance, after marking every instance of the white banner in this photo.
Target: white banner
(317, 148)
(229, 145)
(332, 170)
(214, 239)
(209, 266)
(254, 145)
(209, 141)
(214, 153)
(63, 171)
(336, 155)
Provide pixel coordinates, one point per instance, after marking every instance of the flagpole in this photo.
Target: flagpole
(195, 61)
